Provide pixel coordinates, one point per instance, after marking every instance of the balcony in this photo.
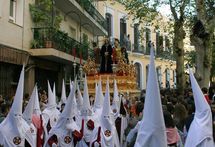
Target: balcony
(87, 6)
(138, 49)
(57, 45)
(166, 55)
(162, 54)
(84, 12)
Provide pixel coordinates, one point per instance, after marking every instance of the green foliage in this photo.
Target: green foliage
(144, 10)
(213, 61)
(190, 58)
(34, 43)
(44, 14)
(85, 46)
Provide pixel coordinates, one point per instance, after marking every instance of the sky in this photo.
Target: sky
(165, 10)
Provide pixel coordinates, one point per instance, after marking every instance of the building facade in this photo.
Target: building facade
(47, 53)
(120, 24)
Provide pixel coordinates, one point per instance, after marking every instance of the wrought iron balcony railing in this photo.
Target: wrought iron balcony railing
(52, 38)
(88, 6)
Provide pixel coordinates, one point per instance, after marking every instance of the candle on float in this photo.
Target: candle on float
(74, 53)
(114, 56)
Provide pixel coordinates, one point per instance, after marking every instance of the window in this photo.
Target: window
(159, 76)
(123, 30)
(148, 40)
(174, 78)
(73, 33)
(16, 11)
(160, 43)
(109, 24)
(147, 71)
(167, 44)
(85, 46)
(136, 37)
(167, 78)
(159, 50)
(137, 65)
(12, 10)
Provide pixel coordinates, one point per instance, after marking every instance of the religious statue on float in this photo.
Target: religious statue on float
(106, 57)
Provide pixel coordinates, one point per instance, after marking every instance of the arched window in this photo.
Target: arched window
(159, 76)
(137, 65)
(108, 17)
(174, 78)
(167, 73)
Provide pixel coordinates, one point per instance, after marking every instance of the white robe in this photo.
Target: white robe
(52, 115)
(31, 135)
(111, 141)
(13, 127)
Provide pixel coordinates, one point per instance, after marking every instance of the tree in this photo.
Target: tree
(202, 38)
(44, 14)
(146, 10)
(178, 11)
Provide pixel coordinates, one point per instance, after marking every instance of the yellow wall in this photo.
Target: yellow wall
(118, 11)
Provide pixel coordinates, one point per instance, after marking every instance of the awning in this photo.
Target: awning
(12, 55)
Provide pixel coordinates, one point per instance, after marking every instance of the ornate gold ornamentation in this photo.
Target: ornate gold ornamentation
(90, 67)
(122, 69)
(132, 70)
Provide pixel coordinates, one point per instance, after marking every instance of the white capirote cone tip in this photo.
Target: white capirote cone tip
(27, 114)
(86, 101)
(63, 93)
(18, 98)
(37, 109)
(99, 99)
(51, 96)
(68, 111)
(152, 132)
(200, 131)
(106, 105)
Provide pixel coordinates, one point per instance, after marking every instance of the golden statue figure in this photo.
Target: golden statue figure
(90, 67)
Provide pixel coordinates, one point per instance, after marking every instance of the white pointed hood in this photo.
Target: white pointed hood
(14, 125)
(68, 111)
(152, 130)
(71, 84)
(200, 131)
(51, 97)
(99, 99)
(27, 114)
(37, 109)
(79, 98)
(106, 111)
(66, 122)
(63, 93)
(116, 99)
(86, 108)
(18, 98)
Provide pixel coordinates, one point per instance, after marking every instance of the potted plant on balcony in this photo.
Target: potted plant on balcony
(42, 17)
(34, 44)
